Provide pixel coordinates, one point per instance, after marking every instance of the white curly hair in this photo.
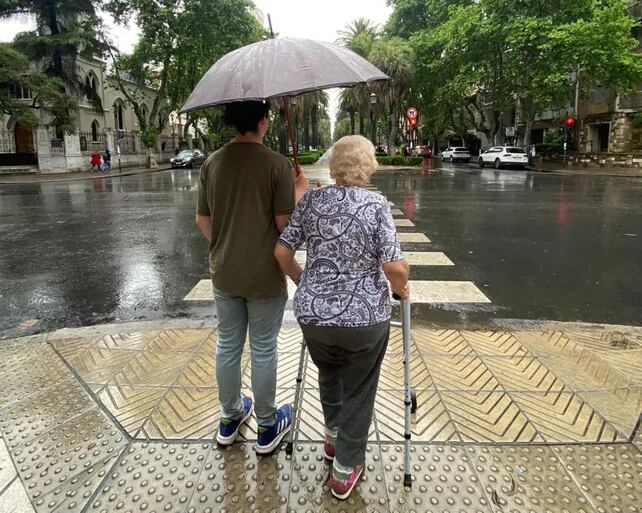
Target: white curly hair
(352, 161)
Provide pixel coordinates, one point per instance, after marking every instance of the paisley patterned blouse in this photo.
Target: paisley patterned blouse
(349, 233)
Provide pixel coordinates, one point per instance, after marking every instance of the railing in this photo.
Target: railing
(635, 10)
(127, 142)
(90, 142)
(7, 141)
(57, 146)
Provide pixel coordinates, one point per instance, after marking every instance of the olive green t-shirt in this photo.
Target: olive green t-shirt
(243, 186)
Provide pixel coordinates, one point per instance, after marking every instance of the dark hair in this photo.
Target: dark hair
(245, 116)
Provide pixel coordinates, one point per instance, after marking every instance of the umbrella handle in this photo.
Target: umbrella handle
(295, 150)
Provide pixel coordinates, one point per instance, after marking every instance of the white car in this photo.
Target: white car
(503, 156)
(455, 153)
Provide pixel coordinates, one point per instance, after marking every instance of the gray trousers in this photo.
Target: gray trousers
(349, 361)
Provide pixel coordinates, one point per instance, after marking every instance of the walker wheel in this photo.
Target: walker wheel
(413, 401)
(289, 448)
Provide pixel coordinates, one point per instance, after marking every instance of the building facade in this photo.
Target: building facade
(43, 149)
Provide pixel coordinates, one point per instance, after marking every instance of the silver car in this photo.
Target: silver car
(187, 158)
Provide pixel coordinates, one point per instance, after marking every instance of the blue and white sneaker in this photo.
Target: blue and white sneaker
(229, 428)
(270, 438)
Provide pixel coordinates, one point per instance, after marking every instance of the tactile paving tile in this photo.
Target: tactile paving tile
(98, 366)
(153, 477)
(45, 463)
(309, 489)
(610, 475)
(430, 423)
(600, 340)
(629, 363)
(184, 413)
(236, 479)
(15, 353)
(523, 373)
(125, 341)
(131, 406)
(153, 367)
(621, 407)
(37, 374)
(200, 371)
(44, 410)
(443, 481)
(494, 343)
(489, 417)
(189, 340)
(526, 480)
(566, 417)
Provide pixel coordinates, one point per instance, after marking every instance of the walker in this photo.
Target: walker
(410, 397)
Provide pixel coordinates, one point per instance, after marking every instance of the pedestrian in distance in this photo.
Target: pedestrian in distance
(246, 196)
(95, 161)
(342, 300)
(107, 160)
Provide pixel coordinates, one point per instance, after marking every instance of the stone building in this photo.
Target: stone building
(42, 149)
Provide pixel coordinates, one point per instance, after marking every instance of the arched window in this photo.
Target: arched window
(94, 130)
(119, 121)
(91, 82)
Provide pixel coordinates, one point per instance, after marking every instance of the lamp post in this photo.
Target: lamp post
(373, 128)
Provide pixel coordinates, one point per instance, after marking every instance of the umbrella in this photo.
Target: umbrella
(280, 67)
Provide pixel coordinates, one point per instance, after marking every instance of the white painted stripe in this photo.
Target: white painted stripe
(421, 292)
(391, 203)
(403, 222)
(419, 258)
(412, 237)
(416, 258)
(396, 212)
(446, 292)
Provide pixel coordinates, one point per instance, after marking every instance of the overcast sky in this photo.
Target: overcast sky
(314, 19)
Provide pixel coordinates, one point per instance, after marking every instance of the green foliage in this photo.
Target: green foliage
(65, 30)
(149, 138)
(553, 141)
(399, 160)
(636, 119)
(475, 60)
(308, 157)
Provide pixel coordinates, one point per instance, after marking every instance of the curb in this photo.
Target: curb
(54, 179)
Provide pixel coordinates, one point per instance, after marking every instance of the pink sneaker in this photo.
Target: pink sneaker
(328, 449)
(341, 484)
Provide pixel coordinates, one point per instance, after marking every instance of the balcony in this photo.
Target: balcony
(635, 9)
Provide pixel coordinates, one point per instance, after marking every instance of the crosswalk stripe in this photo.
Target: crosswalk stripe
(412, 237)
(403, 222)
(413, 257)
(422, 292)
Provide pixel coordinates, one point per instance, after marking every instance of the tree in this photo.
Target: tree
(356, 28)
(179, 41)
(65, 30)
(394, 57)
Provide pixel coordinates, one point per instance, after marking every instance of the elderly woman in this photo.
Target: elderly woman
(342, 302)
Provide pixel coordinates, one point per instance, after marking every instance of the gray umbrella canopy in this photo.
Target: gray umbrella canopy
(280, 67)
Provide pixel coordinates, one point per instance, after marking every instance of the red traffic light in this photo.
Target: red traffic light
(569, 121)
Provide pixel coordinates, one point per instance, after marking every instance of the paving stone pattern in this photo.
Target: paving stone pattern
(507, 421)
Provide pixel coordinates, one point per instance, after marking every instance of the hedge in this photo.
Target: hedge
(400, 160)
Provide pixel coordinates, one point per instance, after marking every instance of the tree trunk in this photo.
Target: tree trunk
(315, 126)
(392, 138)
(352, 122)
(306, 130)
(362, 128)
(283, 134)
(151, 160)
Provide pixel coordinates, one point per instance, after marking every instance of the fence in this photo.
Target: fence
(127, 142)
(57, 146)
(90, 142)
(7, 141)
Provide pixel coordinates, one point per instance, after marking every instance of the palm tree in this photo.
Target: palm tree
(355, 28)
(394, 57)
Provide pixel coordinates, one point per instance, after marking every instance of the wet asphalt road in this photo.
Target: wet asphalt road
(121, 249)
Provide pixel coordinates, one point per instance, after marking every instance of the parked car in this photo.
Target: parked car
(422, 150)
(187, 158)
(504, 156)
(455, 153)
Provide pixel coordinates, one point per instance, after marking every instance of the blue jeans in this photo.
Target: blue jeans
(263, 317)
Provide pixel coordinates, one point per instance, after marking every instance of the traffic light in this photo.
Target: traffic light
(568, 126)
